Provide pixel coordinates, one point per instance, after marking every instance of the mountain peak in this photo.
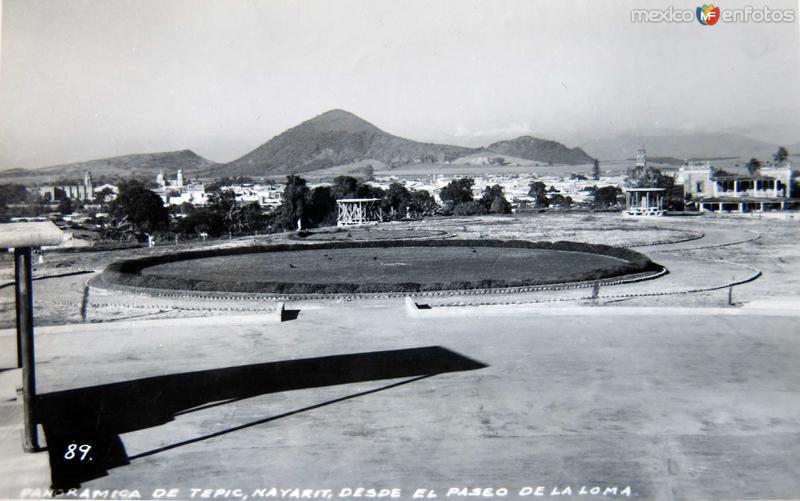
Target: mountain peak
(336, 113)
(338, 137)
(338, 119)
(543, 150)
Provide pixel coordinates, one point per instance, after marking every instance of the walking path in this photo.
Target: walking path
(689, 273)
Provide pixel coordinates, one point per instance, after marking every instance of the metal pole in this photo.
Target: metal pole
(22, 260)
(17, 266)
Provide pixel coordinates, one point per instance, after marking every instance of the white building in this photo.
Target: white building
(193, 194)
(267, 196)
(177, 192)
(84, 192)
(770, 188)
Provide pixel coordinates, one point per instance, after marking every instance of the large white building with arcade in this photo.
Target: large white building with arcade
(709, 190)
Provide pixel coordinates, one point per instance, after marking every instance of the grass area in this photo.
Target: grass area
(591, 228)
(345, 267)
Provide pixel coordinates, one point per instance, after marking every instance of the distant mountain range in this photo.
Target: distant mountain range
(683, 146)
(540, 150)
(339, 138)
(140, 164)
(334, 138)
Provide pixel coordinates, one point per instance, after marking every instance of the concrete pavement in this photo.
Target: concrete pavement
(672, 406)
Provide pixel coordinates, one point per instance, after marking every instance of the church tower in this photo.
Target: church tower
(88, 186)
(641, 158)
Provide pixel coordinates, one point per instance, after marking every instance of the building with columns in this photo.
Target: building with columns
(768, 189)
(83, 192)
(644, 202)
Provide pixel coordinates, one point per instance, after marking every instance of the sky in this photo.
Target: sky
(86, 79)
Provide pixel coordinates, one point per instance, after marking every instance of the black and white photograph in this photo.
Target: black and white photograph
(399, 250)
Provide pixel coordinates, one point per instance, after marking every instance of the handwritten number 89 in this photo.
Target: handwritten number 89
(83, 449)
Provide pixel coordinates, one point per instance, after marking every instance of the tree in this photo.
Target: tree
(198, 220)
(103, 195)
(248, 218)
(140, 207)
(596, 170)
(650, 177)
(500, 206)
(647, 177)
(221, 212)
(471, 208)
(753, 166)
(422, 204)
(293, 208)
(345, 187)
(350, 187)
(457, 191)
(396, 200)
(560, 200)
(65, 206)
(322, 207)
(538, 191)
(606, 197)
(222, 216)
(493, 201)
(12, 194)
(780, 156)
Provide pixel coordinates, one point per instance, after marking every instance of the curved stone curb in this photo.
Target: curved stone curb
(755, 236)
(184, 295)
(168, 307)
(438, 235)
(46, 277)
(756, 274)
(697, 236)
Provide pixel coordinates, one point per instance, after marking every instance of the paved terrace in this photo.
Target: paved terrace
(675, 403)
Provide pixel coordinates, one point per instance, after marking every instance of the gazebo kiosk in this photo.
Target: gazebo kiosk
(357, 211)
(644, 202)
(23, 237)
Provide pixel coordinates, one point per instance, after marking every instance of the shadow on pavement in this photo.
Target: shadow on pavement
(96, 416)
